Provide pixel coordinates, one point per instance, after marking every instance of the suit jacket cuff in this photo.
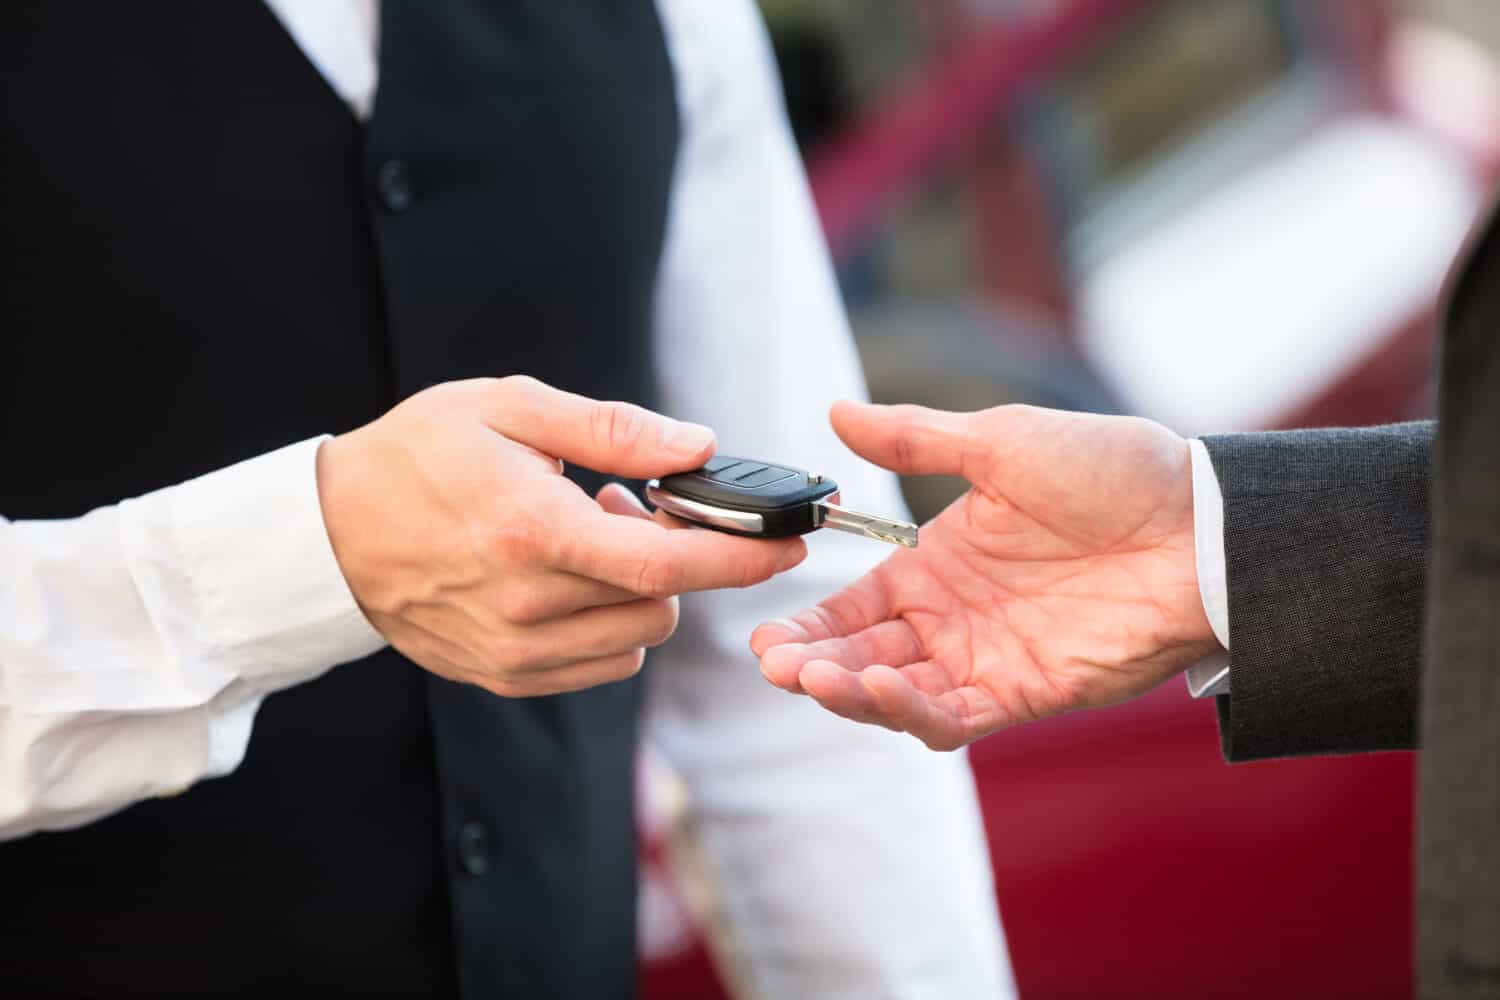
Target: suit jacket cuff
(1326, 537)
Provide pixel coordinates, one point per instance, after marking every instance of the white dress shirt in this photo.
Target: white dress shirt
(137, 642)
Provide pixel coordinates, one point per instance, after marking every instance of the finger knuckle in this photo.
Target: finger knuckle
(488, 538)
(754, 571)
(524, 605)
(834, 619)
(531, 541)
(482, 386)
(618, 426)
(511, 654)
(660, 577)
(902, 446)
(546, 546)
(514, 385)
(501, 540)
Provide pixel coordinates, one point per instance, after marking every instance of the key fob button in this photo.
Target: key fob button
(764, 476)
(719, 463)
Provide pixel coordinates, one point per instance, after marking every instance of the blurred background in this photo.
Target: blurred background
(1221, 214)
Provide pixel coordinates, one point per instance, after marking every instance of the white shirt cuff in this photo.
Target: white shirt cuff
(270, 597)
(137, 642)
(1210, 676)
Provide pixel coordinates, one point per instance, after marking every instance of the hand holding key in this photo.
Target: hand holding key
(472, 554)
(1064, 579)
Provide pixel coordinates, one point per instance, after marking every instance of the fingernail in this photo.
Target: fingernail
(686, 438)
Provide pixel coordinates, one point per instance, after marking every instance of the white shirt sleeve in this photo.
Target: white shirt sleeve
(1209, 676)
(137, 641)
(844, 860)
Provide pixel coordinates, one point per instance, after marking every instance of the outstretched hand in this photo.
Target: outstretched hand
(1064, 579)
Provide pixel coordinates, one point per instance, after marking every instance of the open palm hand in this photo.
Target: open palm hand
(1063, 579)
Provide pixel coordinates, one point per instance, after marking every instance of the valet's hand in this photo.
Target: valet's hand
(471, 553)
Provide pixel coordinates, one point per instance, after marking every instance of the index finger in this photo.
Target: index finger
(648, 559)
(863, 603)
(605, 435)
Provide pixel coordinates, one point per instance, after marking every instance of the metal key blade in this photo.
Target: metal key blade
(882, 529)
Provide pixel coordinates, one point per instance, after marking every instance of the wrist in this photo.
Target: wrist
(342, 499)
(269, 596)
(1195, 630)
(1189, 636)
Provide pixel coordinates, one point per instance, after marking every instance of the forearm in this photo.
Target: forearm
(1326, 545)
(136, 642)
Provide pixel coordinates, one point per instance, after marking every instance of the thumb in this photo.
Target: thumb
(611, 437)
(909, 439)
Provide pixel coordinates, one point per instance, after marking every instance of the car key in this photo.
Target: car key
(743, 496)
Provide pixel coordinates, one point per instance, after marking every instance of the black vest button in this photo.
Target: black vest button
(393, 182)
(473, 849)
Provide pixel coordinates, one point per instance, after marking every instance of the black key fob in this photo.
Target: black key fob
(745, 497)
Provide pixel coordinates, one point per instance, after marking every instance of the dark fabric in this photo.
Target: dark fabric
(540, 139)
(1335, 624)
(1459, 836)
(204, 260)
(1325, 542)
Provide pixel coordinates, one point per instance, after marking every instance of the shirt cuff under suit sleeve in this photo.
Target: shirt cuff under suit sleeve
(1210, 675)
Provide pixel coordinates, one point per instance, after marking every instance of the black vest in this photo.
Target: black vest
(206, 257)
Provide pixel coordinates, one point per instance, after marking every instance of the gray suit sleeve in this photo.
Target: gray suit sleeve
(1326, 546)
